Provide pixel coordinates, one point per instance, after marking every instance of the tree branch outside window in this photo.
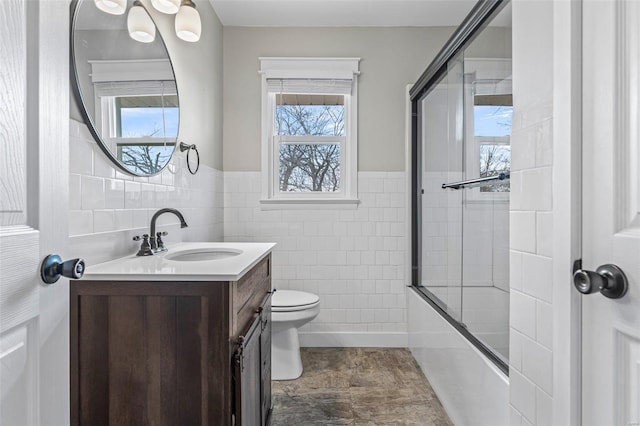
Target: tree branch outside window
(310, 167)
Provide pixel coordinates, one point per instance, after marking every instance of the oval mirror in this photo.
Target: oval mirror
(125, 84)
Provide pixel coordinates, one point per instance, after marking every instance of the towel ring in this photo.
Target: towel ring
(189, 148)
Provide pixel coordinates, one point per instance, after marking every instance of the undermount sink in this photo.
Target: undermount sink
(202, 254)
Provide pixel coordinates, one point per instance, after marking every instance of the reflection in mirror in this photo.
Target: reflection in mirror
(489, 105)
(126, 87)
(488, 85)
(492, 115)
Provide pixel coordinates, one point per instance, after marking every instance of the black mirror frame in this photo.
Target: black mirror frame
(75, 87)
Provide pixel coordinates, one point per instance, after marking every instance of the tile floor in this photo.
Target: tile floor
(357, 386)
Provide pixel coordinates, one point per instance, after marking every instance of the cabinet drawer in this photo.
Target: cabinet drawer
(247, 286)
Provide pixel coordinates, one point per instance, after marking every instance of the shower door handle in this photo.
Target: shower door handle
(608, 279)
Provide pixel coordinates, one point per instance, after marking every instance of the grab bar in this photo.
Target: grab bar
(472, 183)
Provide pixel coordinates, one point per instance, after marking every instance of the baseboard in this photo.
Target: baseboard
(354, 339)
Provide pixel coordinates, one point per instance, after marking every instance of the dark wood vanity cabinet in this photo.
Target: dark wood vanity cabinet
(167, 353)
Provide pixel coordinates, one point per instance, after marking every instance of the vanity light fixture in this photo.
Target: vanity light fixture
(170, 7)
(113, 7)
(141, 27)
(188, 24)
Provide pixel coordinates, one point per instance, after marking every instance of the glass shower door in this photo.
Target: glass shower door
(462, 161)
(488, 114)
(442, 131)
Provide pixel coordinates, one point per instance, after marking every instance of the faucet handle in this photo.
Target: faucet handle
(145, 247)
(159, 242)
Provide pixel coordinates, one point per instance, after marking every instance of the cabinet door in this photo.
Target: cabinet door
(248, 376)
(265, 357)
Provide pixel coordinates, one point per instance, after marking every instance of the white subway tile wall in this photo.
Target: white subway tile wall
(105, 200)
(476, 231)
(442, 233)
(354, 259)
(531, 360)
(523, 395)
(484, 245)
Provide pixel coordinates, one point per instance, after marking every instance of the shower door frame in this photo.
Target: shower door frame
(477, 19)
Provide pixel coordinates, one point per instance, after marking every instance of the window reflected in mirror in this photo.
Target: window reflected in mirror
(147, 116)
(126, 90)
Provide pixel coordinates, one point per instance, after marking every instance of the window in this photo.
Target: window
(492, 131)
(136, 111)
(488, 90)
(142, 126)
(309, 132)
(309, 138)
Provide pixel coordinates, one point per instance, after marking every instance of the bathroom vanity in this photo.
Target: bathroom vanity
(178, 338)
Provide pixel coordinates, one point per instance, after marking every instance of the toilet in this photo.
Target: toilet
(290, 310)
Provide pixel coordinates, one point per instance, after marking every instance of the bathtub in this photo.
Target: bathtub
(472, 390)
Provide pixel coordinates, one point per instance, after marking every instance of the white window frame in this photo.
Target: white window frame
(106, 118)
(309, 68)
(106, 121)
(113, 78)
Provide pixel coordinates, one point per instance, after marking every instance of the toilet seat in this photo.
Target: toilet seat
(292, 300)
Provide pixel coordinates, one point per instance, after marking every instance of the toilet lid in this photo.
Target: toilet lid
(291, 298)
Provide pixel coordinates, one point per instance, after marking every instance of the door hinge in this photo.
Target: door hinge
(240, 353)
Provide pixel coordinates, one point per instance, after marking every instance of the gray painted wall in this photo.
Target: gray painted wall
(199, 73)
(492, 42)
(391, 59)
(198, 70)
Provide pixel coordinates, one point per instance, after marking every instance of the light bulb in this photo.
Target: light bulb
(113, 7)
(141, 27)
(166, 6)
(188, 24)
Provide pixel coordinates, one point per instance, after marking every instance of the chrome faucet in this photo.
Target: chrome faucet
(153, 243)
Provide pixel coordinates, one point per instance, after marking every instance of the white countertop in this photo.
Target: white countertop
(157, 268)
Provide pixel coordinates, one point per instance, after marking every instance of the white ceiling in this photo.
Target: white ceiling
(338, 13)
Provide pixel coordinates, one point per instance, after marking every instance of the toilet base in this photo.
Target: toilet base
(286, 363)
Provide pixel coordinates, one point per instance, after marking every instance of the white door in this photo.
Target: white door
(611, 209)
(34, 132)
